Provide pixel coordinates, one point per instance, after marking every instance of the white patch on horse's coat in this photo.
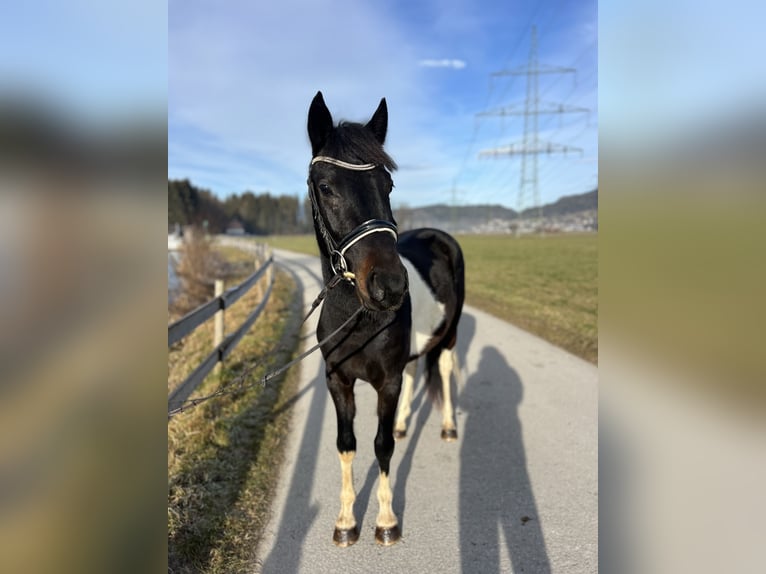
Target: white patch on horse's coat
(447, 360)
(386, 517)
(427, 312)
(346, 520)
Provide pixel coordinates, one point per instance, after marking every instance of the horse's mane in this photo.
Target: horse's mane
(356, 143)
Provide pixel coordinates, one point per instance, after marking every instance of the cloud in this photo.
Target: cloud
(445, 63)
(238, 101)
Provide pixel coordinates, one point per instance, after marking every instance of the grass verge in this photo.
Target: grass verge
(299, 243)
(222, 455)
(547, 285)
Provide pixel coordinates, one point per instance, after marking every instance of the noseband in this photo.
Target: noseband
(338, 250)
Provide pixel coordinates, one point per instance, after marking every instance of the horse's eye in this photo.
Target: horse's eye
(324, 188)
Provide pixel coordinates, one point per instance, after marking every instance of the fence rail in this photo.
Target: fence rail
(195, 318)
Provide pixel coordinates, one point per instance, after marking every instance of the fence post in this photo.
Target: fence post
(218, 326)
(271, 268)
(256, 266)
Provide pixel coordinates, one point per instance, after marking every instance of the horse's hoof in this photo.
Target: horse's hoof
(387, 536)
(344, 538)
(400, 434)
(449, 435)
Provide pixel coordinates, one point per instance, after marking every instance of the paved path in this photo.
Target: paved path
(518, 491)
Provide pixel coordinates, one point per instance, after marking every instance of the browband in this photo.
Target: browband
(340, 163)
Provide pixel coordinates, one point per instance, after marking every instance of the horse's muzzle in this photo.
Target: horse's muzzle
(384, 290)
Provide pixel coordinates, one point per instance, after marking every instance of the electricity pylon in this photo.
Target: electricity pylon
(531, 145)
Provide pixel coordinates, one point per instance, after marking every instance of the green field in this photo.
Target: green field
(547, 285)
(299, 243)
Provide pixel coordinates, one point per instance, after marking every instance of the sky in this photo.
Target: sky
(241, 78)
(94, 61)
(668, 70)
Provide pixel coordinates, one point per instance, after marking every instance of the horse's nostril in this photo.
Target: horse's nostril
(375, 287)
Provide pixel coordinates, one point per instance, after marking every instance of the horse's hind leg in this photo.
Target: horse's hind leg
(447, 364)
(386, 524)
(346, 531)
(405, 399)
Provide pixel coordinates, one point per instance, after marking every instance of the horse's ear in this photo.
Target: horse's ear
(379, 122)
(320, 123)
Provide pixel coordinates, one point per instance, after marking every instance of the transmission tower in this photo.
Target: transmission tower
(531, 146)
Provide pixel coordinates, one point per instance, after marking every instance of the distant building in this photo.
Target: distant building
(235, 227)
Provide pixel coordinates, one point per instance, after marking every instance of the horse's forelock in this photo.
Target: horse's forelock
(355, 143)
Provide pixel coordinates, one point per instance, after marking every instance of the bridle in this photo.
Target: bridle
(340, 269)
(338, 250)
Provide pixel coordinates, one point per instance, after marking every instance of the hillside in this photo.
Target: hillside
(568, 213)
(568, 204)
(443, 216)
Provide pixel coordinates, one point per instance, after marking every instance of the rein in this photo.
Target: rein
(340, 270)
(266, 378)
(230, 388)
(338, 250)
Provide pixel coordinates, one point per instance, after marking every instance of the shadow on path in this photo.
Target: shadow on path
(466, 329)
(414, 431)
(285, 556)
(497, 505)
(421, 410)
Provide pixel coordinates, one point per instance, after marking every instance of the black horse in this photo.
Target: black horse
(410, 293)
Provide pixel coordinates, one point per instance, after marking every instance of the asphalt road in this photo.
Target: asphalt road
(518, 491)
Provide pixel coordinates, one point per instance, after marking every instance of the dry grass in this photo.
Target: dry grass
(200, 264)
(222, 454)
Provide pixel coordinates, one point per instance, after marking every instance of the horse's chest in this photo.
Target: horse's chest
(427, 311)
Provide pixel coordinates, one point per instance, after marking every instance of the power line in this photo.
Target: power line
(531, 146)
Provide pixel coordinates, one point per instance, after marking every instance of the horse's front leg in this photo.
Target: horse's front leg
(342, 392)
(386, 525)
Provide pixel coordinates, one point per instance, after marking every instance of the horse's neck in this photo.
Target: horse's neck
(343, 300)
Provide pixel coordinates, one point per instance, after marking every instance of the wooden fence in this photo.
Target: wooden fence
(193, 319)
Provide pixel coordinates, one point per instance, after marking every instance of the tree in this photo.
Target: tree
(183, 202)
(262, 214)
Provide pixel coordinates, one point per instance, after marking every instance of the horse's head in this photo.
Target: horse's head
(349, 186)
